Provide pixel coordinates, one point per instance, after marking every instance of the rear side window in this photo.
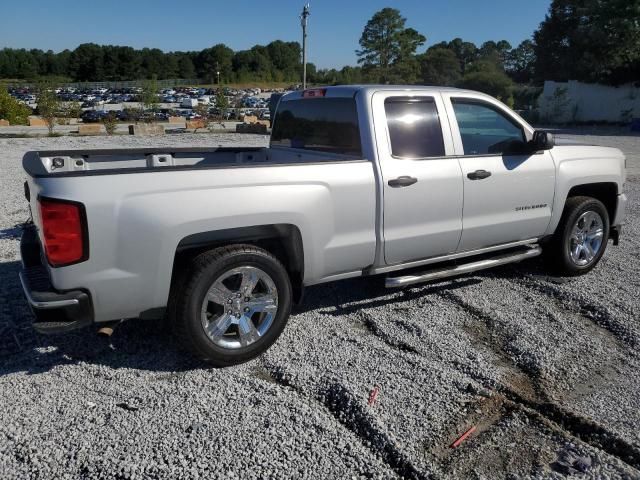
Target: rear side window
(320, 124)
(485, 130)
(414, 127)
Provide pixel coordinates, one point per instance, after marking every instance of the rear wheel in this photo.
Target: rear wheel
(581, 237)
(233, 304)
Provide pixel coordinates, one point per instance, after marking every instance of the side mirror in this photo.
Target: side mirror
(542, 140)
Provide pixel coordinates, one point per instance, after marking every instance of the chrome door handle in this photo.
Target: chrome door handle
(403, 181)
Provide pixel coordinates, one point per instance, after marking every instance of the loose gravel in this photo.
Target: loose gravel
(547, 369)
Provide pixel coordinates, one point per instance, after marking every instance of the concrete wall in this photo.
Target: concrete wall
(146, 129)
(583, 102)
(90, 129)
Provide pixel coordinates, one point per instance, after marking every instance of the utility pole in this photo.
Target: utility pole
(303, 23)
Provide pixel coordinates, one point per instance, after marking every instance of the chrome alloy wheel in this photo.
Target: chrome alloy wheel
(240, 307)
(585, 241)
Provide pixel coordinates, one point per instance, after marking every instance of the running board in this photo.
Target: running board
(437, 274)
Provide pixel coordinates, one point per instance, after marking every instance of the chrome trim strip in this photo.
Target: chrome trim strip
(453, 256)
(44, 305)
(395, 282)
(334, 278)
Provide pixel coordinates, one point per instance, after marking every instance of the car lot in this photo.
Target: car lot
(126, 103)
(544, 368)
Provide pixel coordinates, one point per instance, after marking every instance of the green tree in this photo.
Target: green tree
(589, 40)
(86, 63)
(170, 69)
(110, 62)
(69, 111)
(215, 59)
(254, 64)
(14, 112)
(388, 48)
(222, 102)
(152, 63)
(20, 63)
(285, 60)
(351, 75)
(48, 105)
(440, 66)
(521, 61)
(110, 123)
(487, 77)
(120, 63)
(128, 63)
(466, 52)
(185, 67)
(149, 97)
(495, 51)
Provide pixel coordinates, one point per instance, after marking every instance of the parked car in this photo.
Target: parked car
(93, 116)
(415, 183)
(189, 103)
(123, 115)
(158, 116)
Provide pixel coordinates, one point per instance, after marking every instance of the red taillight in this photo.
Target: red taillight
(64, 232)
(316, 92)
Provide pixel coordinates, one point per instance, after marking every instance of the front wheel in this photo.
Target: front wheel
(233, 304)
(581, 237)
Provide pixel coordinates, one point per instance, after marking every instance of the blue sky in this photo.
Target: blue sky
(334, 26)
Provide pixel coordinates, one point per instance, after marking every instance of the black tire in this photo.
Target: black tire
(190, 289)
(557, 252)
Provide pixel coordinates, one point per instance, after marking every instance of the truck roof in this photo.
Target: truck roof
(350, 90)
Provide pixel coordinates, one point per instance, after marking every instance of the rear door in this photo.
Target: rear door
(422, 180)
(508, 194)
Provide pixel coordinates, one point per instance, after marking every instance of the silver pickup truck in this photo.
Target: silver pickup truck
(414, 183)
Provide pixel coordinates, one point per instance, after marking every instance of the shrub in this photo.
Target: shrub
(48, 106)
(203, 111)
(71, 111)
(12, 110)
(222, 103)
(110, 123)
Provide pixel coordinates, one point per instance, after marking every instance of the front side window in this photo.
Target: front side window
(485, 130)
(320, 124)
(414, 127)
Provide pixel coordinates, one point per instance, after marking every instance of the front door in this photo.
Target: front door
(422, 181)
(508, 194)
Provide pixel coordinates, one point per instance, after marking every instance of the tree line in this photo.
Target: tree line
(278, 61)
(585, 40)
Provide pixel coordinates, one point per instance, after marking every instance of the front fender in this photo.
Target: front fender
(584, 165)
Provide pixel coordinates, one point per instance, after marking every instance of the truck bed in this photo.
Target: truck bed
(139, 217)
(114, 161)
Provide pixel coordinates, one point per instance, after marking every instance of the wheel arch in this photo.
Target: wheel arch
(284, 241)
(606, 192)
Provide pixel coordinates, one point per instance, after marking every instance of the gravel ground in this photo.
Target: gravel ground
(546, 369)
